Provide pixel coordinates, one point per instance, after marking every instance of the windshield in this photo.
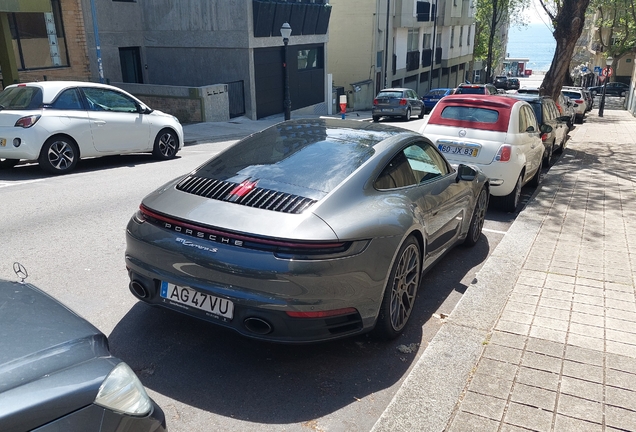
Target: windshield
(21, 98)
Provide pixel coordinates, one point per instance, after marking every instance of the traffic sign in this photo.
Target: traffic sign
(597, 70)
(584, 69)
(607, 71)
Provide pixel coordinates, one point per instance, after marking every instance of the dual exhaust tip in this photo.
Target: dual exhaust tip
(253, 324)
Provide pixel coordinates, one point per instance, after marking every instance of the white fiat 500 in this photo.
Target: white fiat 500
(498, 134)
(58, 122)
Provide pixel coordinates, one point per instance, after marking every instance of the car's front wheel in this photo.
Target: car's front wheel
(401, 290)
(166, 144)
(593, 93)
(477, 221)
(8, 163)
(59, 155)
(376, 119)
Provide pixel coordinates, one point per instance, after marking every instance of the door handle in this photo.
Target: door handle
(100, 122)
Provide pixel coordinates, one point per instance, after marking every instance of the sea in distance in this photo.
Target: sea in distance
(534, 42)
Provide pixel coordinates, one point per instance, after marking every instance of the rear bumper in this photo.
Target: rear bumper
(262, 287)
(30, 143)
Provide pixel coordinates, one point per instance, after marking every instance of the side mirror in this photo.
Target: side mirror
(545, 128)
(564, 119)
(465, 173)
(530, 129)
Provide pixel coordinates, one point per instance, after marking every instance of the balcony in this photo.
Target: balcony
(412, 60)
(426, 57)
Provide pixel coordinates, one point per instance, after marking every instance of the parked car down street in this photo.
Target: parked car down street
(501, 82)
(498, 134)
(57, 374)
(487, 89)
(56, 123)
(397, 102)
(433, 96)
(577, 97)
(547, 113)
(612, 89)
(307, 231)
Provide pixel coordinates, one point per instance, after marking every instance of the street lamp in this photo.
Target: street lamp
(285, 32)
(606, 73)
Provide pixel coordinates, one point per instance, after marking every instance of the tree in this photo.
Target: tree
(490, 17)
(568, 18)
(616, 23)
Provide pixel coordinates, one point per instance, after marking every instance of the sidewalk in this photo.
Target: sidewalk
(240, 127)
(545, 337)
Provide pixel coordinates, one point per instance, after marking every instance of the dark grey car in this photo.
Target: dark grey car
(555, 137)
(397, 102)
(56, 373)
(307, 231)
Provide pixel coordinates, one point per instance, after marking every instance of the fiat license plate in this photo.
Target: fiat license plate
(189, 297)
(455, 150)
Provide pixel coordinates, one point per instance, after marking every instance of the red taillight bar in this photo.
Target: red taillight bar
(279, 243)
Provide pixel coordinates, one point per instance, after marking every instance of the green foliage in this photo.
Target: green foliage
(616, 21)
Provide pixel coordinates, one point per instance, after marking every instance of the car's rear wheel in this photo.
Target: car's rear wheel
(477, 221)
(407, 117)
(422, 112)
(166, 144)
(593, 92)
(623, 93)
(376, 119)
(510, 202)
(535, 181)
(8, 163)
(401, 291)
(59, 155)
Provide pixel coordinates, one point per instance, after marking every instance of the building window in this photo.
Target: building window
(38, 38)
(468, 37)
(438, 40)
(452, 38)
(378, 58)
(461, 35)
(413, 37)
(130, 60)
(426, 41)
(310, 59)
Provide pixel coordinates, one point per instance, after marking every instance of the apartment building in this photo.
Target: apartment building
(421, 45)
(176, 43)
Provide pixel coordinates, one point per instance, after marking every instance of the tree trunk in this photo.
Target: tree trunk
(568, 29)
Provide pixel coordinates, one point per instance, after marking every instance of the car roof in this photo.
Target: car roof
(50, 89)
(395, 89)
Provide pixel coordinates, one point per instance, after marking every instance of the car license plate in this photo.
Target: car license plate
(387, 109)
(3, 142)
(455, 150)
(189, 297)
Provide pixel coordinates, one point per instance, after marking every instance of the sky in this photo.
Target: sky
(535, 13)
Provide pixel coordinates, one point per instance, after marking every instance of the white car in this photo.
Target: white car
(58, 122)
(580, 104)
(498, 134)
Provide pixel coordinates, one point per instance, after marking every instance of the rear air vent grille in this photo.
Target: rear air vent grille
(245, 194)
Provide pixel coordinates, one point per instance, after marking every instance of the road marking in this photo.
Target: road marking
(494, 231)
(18, 183)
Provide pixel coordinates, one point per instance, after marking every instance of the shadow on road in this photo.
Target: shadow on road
(219, 371)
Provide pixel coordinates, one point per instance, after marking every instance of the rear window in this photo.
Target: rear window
(475, 114)
(393, 94)
(573, 95)
(21, 98)
(307, 159)
(470, 90)
(528, 91)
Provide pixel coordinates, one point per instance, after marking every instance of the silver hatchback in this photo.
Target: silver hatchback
(397, 102)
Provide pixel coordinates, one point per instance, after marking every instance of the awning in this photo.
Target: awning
(25, 6)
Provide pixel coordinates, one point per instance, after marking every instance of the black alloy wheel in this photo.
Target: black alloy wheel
(166, 144)
(401, 291)
(59, 155)
(478, 219)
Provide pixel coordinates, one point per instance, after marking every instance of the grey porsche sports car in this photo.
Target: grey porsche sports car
(306, 231)
(56, 373)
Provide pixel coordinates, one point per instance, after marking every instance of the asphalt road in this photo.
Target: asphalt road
(69, 232)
